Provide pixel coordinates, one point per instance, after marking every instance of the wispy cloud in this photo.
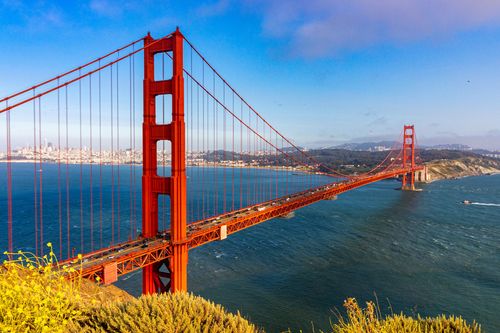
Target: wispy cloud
(108, 8)
(116, 8)
(36, 16)
(379, 121)
(213, 9)
(162, 23)
(490, 140)
(318, 28)
(105, 7)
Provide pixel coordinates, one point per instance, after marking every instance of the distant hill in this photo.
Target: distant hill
(350, 161)
(366, 146)
(453, 146)
(344, 160)
(387, 145)
(461, 167)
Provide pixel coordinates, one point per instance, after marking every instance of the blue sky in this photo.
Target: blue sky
(323, 71)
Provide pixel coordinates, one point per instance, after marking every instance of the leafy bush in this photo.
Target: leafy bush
(179, 312)
(370, 320)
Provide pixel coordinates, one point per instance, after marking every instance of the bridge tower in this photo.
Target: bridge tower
(409, 157)
(154, 185)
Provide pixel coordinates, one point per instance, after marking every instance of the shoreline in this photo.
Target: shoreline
(437, 170)
(460, 177)
(460, 168)
(280, 168)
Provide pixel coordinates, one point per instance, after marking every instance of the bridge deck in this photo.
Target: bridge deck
(133, 255)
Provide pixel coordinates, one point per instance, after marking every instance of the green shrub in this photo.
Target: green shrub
(179, 312)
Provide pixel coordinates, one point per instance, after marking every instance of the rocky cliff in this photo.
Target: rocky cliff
(462, 167)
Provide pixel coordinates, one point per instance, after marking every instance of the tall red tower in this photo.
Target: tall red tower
(154, 185)
(409, 157)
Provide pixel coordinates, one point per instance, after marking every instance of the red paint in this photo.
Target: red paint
(409, 157)
(175, 185)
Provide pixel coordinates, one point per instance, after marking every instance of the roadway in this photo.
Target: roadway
(130, 256)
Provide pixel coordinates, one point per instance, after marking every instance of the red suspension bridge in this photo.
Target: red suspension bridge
(211, 164)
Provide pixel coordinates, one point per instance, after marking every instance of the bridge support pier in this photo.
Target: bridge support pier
(408, 185)
(175, 185)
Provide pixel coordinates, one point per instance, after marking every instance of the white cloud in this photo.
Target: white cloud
(34, 16)
(213, 9)
(106, 8)
(317, 28)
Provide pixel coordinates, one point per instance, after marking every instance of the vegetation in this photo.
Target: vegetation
(344, 160)
(37, 297)
(370, 320)
(179, 312)
(350, 161)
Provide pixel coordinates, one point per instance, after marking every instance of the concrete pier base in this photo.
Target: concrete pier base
(411, 189)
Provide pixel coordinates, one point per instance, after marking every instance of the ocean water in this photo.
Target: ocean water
(416, 252)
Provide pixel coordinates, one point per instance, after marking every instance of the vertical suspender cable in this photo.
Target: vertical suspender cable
(41, 172)
(59, 192)
(112, 159)
(90, 169)
(224, 149)
(215, 128)
(276, 167)
(81, 163)
(258, 155)
(232, 158)
(9, 182)
(131, 201)
(100, 159)
(241, 156)
(35, 175)
(68, 236)
(133, 144)
(203, 154)
(191, 121)
(249, 156)
(198, 151)
(118, 187)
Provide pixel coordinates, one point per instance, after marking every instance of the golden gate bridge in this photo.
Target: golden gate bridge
(211, 164)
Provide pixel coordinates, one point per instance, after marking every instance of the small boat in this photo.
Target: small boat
(466, 202)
